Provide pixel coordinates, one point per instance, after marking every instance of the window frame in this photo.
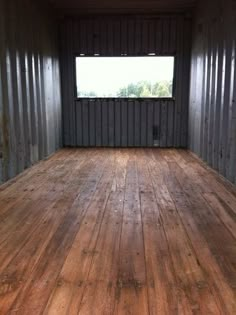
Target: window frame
(79, 55)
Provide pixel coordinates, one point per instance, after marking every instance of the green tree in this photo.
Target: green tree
(146, 89)
(162, 89)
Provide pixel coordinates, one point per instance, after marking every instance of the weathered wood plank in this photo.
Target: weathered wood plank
(143, 231)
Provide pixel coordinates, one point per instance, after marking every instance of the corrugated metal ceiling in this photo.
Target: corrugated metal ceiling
(129, 6)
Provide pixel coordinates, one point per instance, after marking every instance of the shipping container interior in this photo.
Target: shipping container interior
(118, 157)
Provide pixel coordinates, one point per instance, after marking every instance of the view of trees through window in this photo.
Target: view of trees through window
(147, 89)
(133, 77)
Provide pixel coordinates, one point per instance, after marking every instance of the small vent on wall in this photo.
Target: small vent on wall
(156, 135)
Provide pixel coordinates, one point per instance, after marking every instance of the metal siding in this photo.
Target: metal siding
(134, 36)
(231, 163)
(79, 124)
(98, 125)
(170, 128)
(117, 122)
(29, 114)
(131, 123)
(164, 123)
(85, 122)
(150, 124)
(111, 123)
(124, 123)
(137, 123)
(105, 128)
(143, 123)
(92, 124)
(213, 63)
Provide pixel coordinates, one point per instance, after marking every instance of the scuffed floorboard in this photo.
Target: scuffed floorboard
(118, 231)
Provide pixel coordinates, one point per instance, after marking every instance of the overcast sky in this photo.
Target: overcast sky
(106, 75)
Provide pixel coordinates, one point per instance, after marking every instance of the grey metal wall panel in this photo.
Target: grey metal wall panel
(79, 124)
(30, 102)
(131, 116)
(92, 124)
(212, 123)
(164, 124)
(85, 122)
(150, 124)
(137, 124)
(132, 36)
(124, 123)
(98, 125)
(143, 124)
(111, 123)
(105, 128)
(117, 123)
(170, 128)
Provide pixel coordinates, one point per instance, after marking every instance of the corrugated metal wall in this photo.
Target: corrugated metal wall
(30, 102)
(123, 123)
(212, 119)
(132, 36)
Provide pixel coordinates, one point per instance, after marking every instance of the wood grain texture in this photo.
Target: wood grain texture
(118, 231)
(30, 96)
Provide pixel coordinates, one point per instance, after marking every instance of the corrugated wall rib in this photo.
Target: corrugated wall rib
(30, 102)
(110, 122)
(212, 119)
(132, 36)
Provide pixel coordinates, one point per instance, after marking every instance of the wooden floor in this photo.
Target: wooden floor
(118, 231)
